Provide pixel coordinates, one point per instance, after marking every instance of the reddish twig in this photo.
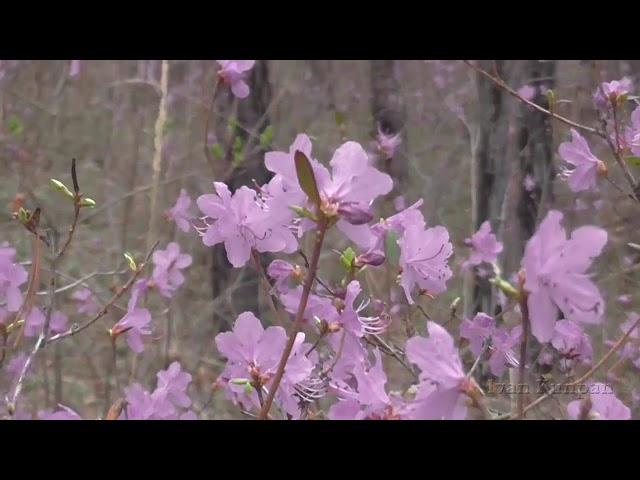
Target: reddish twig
(297, 324)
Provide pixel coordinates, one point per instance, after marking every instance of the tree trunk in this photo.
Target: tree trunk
(533, 182)
(252, 119)
(389, 114)
(490, 164)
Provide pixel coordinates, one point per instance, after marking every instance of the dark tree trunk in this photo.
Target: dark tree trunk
(500, 195)
(535, 146)
(252, 118)
(389, 113)
(490, 164)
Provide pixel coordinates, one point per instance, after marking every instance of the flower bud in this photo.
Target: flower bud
(87, 202)
(58, 186)
(355, 213)
(601, 168)
(130, 261)
(239, 381)
(375, 258)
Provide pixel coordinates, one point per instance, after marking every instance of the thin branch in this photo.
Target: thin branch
(500, 83)
(297, 324)
(77, 329)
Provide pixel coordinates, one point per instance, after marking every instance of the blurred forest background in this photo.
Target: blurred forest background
(467, 148)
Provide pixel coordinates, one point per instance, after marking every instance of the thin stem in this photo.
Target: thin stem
(297, 324)
(619, 344)
(524, 309)
(266, 286)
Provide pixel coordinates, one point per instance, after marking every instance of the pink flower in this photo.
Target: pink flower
(529, 183)
(478, 331)
(173, 383)
(372, 238)
(242, 224)
(318, 307)
(281, 272)
(136, 325)
(385, 145)
(350, 188)
(368, 400)
(253, 354)
(632, 134)
(63, 413)
(484, 245)
(423, 259)
(12, 275)
(571, 341)
(631, 349)
(624, 299)
(234, 73)
(350, 318)
(585, 167)
(503, 344)
(609, 92)
(178, 213)
(399, 203)
(84, 301)
(442, 378)
(482, 331)
(168, 263)
(604, 405)
(555, 271)
(35, 321)
(74, 68)
(527, 92)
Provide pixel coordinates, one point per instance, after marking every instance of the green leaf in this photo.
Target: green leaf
(340, 117)
(347, 258)
(266, 137)
(238, 152)
(391, 248)
(306, 177)
(633, 160)
(15, 126)
(217, 151)
(232, 123)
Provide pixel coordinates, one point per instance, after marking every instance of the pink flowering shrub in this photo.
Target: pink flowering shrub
(355, 283)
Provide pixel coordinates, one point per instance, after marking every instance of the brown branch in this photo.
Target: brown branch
(524, 309)
(501, 84)
(619, 344)
(112, 300)
(297, 324)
